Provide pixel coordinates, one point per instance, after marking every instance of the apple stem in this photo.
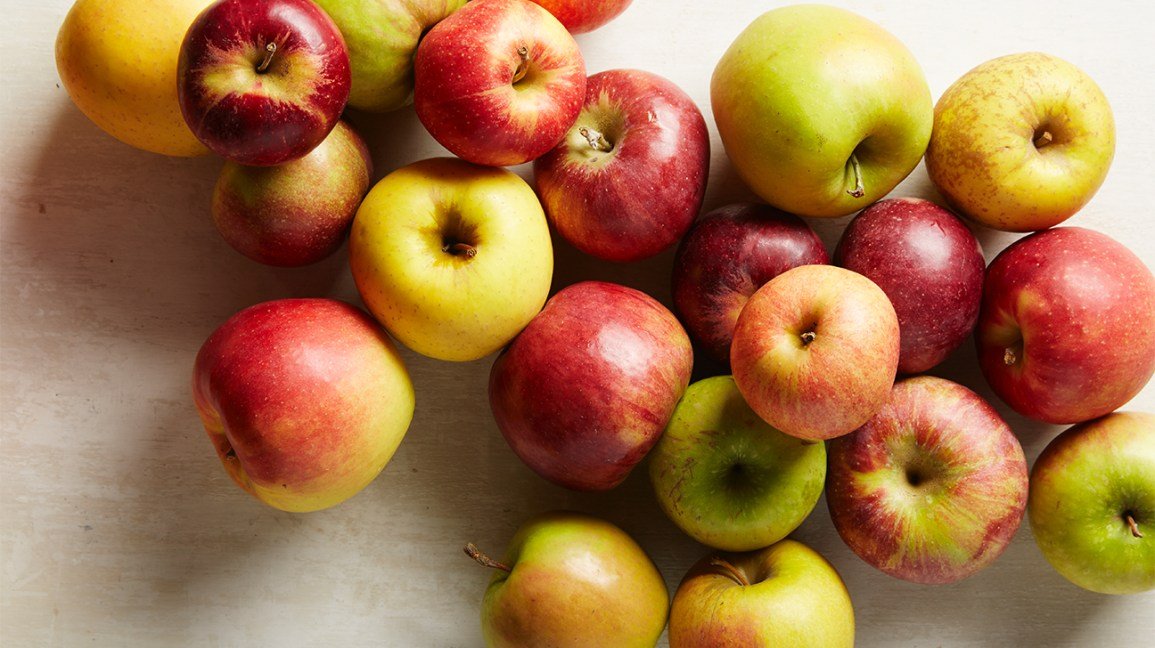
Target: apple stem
(1134, 526)
(859, 189)
(597, 141)
(270, 50)
(731, 571)
(807, 338)
(461, 249)
(522, 67)
(473, 552)
(1009, 357)
(1044, 139)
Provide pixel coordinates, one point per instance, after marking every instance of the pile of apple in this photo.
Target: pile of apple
(306, 400)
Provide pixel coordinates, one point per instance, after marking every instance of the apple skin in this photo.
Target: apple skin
(305, 400)
(794, 597)
(865, 101)
(728, 254)
(1083, 486)
(727, 478)
(584, 392)
(481, 98)
(581, 16)
(1066, 332)
(930, 266)
(259, 107)
(933, 488)
(382, 38)
(453, 258)
(640, 196)
(298, 212)
(838, 380)
(988, 155)
(574, 581)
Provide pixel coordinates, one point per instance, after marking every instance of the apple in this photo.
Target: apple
(572, 580)
(784, 595)
(498, 82)
(305, 400)
(628, 178)
(930, 266)
(1021, 142)
(453, 258)
(841, 140)
(132, 47)
(1092, 503)
(298, 212)
(727, 478)
(728, 254)
(262, 82)
(933, 488)
(581, 16)
(815, 351)
(587, 388)
(1066, 331)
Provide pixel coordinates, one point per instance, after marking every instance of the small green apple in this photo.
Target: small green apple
(728, 478)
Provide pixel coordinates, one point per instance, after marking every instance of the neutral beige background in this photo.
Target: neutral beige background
(117, 524)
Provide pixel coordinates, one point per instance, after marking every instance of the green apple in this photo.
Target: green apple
(1021, 142)
(784, 595)
(570, 579)
(454, 259)
(729, 479)
(821, 111)
(1092, 503)
(382, 37)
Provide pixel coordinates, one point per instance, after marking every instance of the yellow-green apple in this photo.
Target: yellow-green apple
(453, 258)
(587, 388)
(1092, 503)
(1066, 332)
(117, 61)
(628, 178)
(382, 38)
(498, 82)
(305, 400)
(298, 212)
(933, 488)
(580, 16)
(262, 82)
(727, 478)
(784, 595)
(841, 140)
(570, 580)
(728, 254)
(1021, 142)
(930, 266)
(815, 351)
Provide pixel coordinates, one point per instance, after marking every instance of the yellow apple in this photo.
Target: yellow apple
(453, 258)
(117, 59)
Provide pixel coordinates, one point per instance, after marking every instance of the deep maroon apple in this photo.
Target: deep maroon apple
(261, 82)
(930, 266)
(584, 392)
(628, 178)
(727, 255)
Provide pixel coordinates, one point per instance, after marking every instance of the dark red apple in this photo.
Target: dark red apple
(261, 82)
(1066, 332)
(584, 392)
(727, 255)
(930, 266)
(580, 16)
(498, 82)
(628, 178)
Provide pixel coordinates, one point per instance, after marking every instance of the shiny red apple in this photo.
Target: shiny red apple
(580, 16)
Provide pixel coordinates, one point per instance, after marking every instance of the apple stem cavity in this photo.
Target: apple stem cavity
(1134, 526)
(473, 552)
(597, 141)
(733, 572)
(859, 189)
(523, 66)
(270, 50)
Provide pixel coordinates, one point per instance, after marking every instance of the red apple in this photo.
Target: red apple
(298, 212)
(498, 82)
(1066, 332)
(628, 178)
(930, 266)
(933, 488)
(727, 255)
(584, 392)
(262, 82)
(815, 351)
(580, 16)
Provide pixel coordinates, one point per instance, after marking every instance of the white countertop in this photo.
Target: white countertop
(118, 525)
